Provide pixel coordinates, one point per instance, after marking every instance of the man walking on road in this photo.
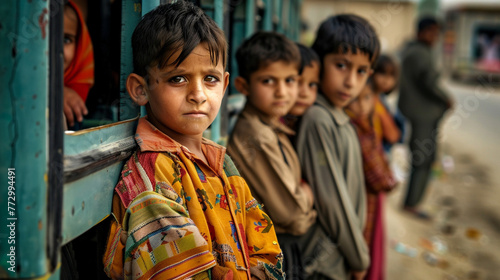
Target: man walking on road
(423, 103)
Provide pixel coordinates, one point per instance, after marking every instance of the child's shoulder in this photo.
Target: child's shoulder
(252, 127)
(317, 114)
(229, 167)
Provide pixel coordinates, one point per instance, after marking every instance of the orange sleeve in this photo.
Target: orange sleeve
(113, 256)
(390, 131)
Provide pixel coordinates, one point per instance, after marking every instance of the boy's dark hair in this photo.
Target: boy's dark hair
(172, 28)
(344, 33)
(426, 22)
(264, 48)
(307, 57)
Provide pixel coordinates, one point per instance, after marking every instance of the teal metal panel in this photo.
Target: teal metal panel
(131, 15)
(278, 15)
(250, 18)
(147, 5)
(87, 201)
(215, 129)
(219, 12)
(237, 37)
(24, 72)
(267, 21)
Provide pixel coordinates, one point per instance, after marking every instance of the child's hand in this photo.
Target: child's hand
(74, 107)
(307, 190)
(358, 275)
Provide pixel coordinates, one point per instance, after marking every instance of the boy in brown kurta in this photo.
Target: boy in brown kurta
(259, 145)
(329, 151)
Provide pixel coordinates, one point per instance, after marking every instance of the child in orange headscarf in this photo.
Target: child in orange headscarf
(378, 176)
(78, 64)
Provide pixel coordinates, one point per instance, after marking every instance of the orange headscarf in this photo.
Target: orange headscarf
(80, 73)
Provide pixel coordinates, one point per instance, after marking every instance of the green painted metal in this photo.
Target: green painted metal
(219, 12)
(131, 15)
(277, 17)
(24, 122)
(208, 7)
(88, 201)
(147, 5)
(267, 20)
(237, 36)
(215, 129)
(249, 18)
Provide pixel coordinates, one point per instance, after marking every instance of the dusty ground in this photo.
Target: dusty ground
(463, 239)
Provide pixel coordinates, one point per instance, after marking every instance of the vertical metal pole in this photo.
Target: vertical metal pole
(147, 6)
(268, 15)
(56, 144)
(131, 15)
(24, 122)
(215, 130)
(250, 18)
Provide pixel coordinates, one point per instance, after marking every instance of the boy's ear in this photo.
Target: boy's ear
(241, 85)
(226, 81)
(137, 89)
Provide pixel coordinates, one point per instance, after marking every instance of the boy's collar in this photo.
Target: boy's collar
(151, 139)
(275, 124)
(340, 117)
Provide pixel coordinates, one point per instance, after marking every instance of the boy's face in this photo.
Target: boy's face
(184, 100)
(70, 32)
(363, 105)
(344, 75)
(273, 89)
(308, 89)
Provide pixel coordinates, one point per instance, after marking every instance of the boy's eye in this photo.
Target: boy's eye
(177, 80)
(267, 81)
(362, 71)
(290, 80)
(340, 65)
(313, 85)
(211, 79)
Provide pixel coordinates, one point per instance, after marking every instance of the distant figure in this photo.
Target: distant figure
(423, 103)
(78, 64)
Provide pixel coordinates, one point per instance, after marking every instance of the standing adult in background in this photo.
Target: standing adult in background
(423, 103)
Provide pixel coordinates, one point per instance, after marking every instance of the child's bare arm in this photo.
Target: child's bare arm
(74, 106)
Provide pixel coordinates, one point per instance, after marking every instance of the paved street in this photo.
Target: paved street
(463, 239)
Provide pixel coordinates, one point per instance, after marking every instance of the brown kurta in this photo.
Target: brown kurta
(266, 159)
(330, 156)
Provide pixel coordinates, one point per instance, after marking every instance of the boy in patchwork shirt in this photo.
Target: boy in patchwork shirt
(181, 209)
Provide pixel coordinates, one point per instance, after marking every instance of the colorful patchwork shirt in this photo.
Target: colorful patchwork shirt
(176, 217)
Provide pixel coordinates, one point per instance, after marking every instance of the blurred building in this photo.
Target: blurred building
(470, 48)
(471, 43)
(394, 21)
